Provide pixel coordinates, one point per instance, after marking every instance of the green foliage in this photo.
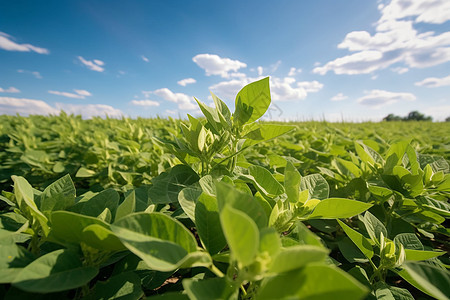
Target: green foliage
(223, 207)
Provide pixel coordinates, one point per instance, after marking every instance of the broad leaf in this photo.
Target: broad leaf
(252, 101)
(208, 224)
(58, 195)
(308, 283)
(56, 271)
(316, 185)
(162, 242)
(338, 208)
(241, 233)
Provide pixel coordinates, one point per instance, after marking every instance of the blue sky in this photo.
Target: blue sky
(353, 60)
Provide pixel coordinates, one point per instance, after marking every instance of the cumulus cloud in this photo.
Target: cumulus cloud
(433, 82)
(186, 81)
(216, 65)
(294, 71)
(23, 106)
(281, 89)
(145, 58)
(95, 65)
(79, 94)
(396, 40)
(183, 101)
(145, 102)
(90, 110)
(339, 97)
(380, 98)
(7, 43)
(34, 73)
(11, 90)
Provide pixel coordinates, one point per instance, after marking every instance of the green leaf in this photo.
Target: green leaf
(264, 181)
(269, 241)
(25, 200)
(350, 251)
(316, 185)
(367, 154)
(428, 278)
(252, 101)
(167, 186)
(13, 258)
(360, 241)
(207, 220)
(188, 199)
(241, 233)
(409, 241)
(124, 286)
(84, 173)
(69, 227)
(292, 180)
(213, 288)
(295, 257)
(128, 206)
(308, 283)
(374, 227)
(421, 255)
(59, 195)
(210, 114)
(99, 237)
(222, 111)
(338, 208)
(350, 167)
(258, 133)
(227, 194)
(161, 241)
(56, 271)
(96, 205)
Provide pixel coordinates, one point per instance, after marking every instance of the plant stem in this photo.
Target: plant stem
(216, 271)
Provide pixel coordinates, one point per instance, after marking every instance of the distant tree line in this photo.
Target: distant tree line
(412, 116)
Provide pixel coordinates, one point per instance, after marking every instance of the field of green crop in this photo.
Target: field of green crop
(223, 207)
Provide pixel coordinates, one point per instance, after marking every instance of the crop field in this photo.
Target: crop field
(223, 206)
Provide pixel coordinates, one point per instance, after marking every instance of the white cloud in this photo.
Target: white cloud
(380, 98)
(439, 113)
(186, 81)
(275, 66)
(396, 40)
(98, 62)
(294, 71)
(34, 73)
(310, 86)
(281, 89)
(171, 112)
(79, 94)
(7, 43)
(11, 89)
(260, 70)
(184, 101)
(22, 106)
(94, 65)
(90, 110)
(425, 11)
(399, 70)
(145, 102)
(145, 58)
(339, 97)
(216, 65)
(433, 82)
